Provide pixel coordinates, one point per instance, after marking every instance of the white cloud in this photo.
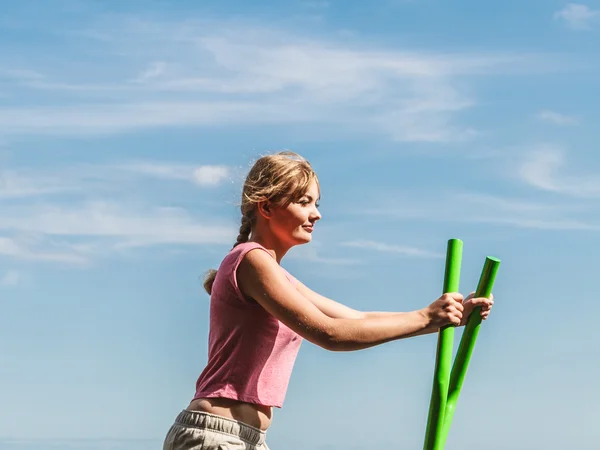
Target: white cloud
(541, 169)
(80, 229)
(155, 70)
(10, 278)
(114, 118)
(26, 182)
(202, 175)
(158, 170)
(211, 175)
(78, 234)
(538, 168)
(29, 250)
(578, 16)
(557, 118)
(392, 248)
(477, 208)
(230, 73)
(123, 224)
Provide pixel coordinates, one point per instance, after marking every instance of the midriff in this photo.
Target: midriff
(257, 416)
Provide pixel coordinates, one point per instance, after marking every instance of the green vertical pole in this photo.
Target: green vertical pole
(443, 362)
(467, 344)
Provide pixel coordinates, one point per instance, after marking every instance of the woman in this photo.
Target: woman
(260, 314)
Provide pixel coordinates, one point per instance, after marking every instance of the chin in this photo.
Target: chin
(305, 238)
(302, 241)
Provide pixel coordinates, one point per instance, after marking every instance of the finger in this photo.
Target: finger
(480, 301)
(456, 296)
(455, 320)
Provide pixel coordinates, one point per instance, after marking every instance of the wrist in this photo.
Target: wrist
(425, 317)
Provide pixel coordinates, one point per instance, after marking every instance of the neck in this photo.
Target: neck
(273, 245)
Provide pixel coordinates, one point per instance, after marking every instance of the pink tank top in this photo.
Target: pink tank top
(250, 353)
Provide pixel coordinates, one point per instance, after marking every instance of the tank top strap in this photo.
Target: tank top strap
(238, 253)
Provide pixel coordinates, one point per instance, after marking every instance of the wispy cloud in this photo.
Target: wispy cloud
(469, 207)
(557, 118)
(202, 175)
(20, 184)
(313, 252)
(10, 278)
(155, 70)
(578, 16)
(201, 73)
(125, 224)
(75, 213)
(20, 75)
(33, 250)
(541, 168)
(79, 234)
(27, 182)
(408, 251)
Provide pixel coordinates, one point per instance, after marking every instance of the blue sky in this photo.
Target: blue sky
(126, 129)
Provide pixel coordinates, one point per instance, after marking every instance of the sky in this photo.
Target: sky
(126, 129)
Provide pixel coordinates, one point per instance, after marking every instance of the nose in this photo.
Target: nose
(315, 215)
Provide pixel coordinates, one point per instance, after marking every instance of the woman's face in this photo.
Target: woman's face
(293, 224)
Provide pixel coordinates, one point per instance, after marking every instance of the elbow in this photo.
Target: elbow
(336, 339)
(325, 335)
(343, 346)
(328, 342)
(331, 345)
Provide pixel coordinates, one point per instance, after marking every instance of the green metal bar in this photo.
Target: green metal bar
(467, 344)
(443, 361)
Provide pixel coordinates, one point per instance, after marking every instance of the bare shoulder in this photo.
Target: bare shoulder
(257, 265)
(262, 279)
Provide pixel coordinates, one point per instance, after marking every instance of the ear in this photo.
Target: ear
(264, 208)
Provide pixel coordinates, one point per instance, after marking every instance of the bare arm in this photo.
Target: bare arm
(337, 310)
(330, 307)
(260, 278)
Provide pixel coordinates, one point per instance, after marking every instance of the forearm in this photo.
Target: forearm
(379, 313)
(377, 328)
(375, 314)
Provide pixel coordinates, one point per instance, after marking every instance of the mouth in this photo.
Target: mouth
(308, 228)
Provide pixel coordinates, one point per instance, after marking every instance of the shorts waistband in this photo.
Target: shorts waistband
(204, 420)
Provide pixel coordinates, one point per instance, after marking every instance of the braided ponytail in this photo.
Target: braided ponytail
(209, 279)
(245, 229)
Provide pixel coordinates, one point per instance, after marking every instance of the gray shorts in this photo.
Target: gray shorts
(195, 430)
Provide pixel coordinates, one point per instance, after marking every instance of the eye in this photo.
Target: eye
(307, 201)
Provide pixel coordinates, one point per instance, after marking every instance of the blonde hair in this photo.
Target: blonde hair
(281, 179)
